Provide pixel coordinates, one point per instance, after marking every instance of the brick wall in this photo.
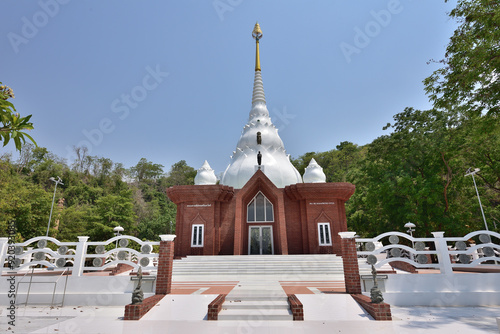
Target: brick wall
(120, 268)
(137, 311)
(351, 267)
(403, 266)
(165, 264)
(380, 311)
(297, 209)
(308, 204)
(200, 204)
(296, 307)
(215, 307)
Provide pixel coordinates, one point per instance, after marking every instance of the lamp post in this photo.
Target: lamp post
(117, 231)
(53, 198)
(471, 173)
(411, 229)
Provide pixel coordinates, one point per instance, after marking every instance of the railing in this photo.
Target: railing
(34, 252)
(102, 259)
(472, 250)
(79, 256)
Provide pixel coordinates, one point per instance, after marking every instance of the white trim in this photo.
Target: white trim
(195, 235)
(325, 231)
(347, 235)
(167, 237)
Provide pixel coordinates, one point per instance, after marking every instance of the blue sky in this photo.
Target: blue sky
(172, 80)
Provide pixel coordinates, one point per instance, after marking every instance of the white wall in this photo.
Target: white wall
(474, 289)
(80, 290)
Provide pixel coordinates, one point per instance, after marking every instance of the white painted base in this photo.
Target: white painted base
(443, 290)
(83, 290)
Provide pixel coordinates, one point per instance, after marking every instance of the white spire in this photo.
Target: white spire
(205, 175)
(314, 173)
(258, 90)
(259, 135)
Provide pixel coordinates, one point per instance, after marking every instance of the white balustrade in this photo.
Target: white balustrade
(77, 254)
(418, 255)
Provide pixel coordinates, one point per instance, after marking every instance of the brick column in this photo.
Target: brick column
(165, 265)
(350, 260)
(215, 307)
(296, 307)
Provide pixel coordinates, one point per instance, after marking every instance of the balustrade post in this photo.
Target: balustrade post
(81, 253)
(3, 253)
(443, 254)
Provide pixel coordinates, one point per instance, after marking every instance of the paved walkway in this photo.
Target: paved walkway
(324, 313)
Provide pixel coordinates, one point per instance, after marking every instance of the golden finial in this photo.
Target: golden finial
(257, 34)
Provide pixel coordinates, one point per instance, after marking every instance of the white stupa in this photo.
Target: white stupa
(205, 175)
(260, 135)
(314, 173)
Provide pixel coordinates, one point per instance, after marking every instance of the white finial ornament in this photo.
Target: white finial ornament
(314, 173)
(205, 175)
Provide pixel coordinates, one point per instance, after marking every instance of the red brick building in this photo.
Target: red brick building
(262, 205)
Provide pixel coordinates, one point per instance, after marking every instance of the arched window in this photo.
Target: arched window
(260, 209)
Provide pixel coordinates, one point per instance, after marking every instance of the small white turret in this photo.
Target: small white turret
(314, 173)
(205, 175)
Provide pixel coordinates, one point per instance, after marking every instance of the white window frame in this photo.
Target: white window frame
(196, 239)
(321, 228)
(266, 219)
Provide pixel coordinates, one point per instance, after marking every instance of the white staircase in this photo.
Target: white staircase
(316, 267)
(255, 301)
(259, 294)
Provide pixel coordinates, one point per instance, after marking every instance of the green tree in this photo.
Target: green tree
(153, 228)
(73, 222)
(180, 174)
(146, 170)
(417, 174)
(12, 125)
(111, 211)
(336, 163)
(26, 203)
(469, 81)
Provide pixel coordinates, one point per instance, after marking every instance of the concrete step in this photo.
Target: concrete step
(256, 304)
(334, 264)
(240, 258)
(313, 267)
(255, 314)
(256, 296)
(258, 271)
(295, 265)
(256, 300)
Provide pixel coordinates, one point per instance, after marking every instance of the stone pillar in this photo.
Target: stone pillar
(165, 264)
(350, 260)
